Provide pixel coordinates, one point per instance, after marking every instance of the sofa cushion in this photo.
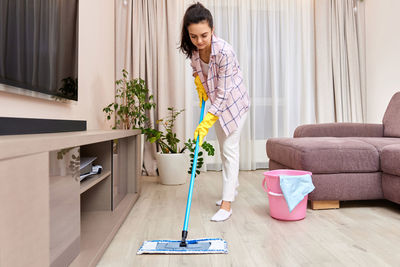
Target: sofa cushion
(390, 159)
(379, 142)
(391, 119)
(324, 154)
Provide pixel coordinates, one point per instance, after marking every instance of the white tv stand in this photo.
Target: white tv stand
(48, 217)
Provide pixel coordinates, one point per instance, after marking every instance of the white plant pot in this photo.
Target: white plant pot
(173, 168)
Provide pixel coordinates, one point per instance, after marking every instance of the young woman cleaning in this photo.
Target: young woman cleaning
(218, 77)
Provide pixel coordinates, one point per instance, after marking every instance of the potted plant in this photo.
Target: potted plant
(172, 161)
(131, 104)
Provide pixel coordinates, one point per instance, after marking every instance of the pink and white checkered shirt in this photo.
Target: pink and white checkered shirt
(225, 85)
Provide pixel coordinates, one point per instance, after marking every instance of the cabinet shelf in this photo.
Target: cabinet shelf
(93, 180)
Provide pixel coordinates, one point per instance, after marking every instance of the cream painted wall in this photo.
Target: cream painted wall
(95, 73)
(382, 21)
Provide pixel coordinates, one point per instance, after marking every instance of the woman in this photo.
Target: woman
(218, 78)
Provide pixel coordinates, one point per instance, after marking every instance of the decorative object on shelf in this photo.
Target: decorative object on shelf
(131, 104)
(172, 162)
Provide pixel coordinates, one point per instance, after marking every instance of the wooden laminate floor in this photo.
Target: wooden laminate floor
(362, 233)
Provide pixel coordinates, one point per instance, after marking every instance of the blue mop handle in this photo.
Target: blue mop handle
(196, 152)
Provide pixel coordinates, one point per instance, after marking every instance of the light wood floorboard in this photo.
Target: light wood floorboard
(360, 233)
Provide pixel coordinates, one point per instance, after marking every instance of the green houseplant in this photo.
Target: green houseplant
(172, 162)
(131, 104)
(166, 138)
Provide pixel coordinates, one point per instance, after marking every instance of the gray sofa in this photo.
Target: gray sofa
(349, 161)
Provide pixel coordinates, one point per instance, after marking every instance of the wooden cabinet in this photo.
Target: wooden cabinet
(50, 217)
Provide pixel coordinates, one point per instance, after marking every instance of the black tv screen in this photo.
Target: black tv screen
(39, 47)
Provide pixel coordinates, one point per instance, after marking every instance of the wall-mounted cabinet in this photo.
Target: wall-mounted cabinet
(48, 214)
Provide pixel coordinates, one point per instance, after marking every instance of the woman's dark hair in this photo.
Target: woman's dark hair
(194, 14)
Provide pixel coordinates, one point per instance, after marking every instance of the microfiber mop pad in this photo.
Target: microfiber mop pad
(195, 246)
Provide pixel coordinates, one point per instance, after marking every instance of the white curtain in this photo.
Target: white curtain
(340, 61)
(274, 42)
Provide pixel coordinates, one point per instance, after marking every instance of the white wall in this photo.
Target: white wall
(95, 73)
(382, 21)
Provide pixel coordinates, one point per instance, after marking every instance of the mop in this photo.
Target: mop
(193, 246)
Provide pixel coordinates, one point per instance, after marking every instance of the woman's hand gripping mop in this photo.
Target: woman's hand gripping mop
(194, 246)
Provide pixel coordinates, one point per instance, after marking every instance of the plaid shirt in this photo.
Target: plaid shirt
(224, 86)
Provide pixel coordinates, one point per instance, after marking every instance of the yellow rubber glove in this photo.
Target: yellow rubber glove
(202, 129)
(200, 90)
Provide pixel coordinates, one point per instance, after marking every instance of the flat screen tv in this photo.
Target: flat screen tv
(39, 48)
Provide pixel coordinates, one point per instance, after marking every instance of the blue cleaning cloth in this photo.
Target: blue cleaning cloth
(295, 188)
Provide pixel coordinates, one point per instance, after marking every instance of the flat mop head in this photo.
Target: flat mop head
(195, 246)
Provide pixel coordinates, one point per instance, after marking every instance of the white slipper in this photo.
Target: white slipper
(221, 215)
(219, 202)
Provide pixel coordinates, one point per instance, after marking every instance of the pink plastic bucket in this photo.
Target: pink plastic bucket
(278, 207)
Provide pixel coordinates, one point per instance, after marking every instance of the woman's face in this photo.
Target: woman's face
(200, 34)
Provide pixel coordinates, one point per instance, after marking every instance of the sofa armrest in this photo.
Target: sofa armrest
(339, 130)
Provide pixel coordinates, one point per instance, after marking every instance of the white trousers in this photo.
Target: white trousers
(229, 148)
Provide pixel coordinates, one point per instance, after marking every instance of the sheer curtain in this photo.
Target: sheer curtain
(274, 42)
